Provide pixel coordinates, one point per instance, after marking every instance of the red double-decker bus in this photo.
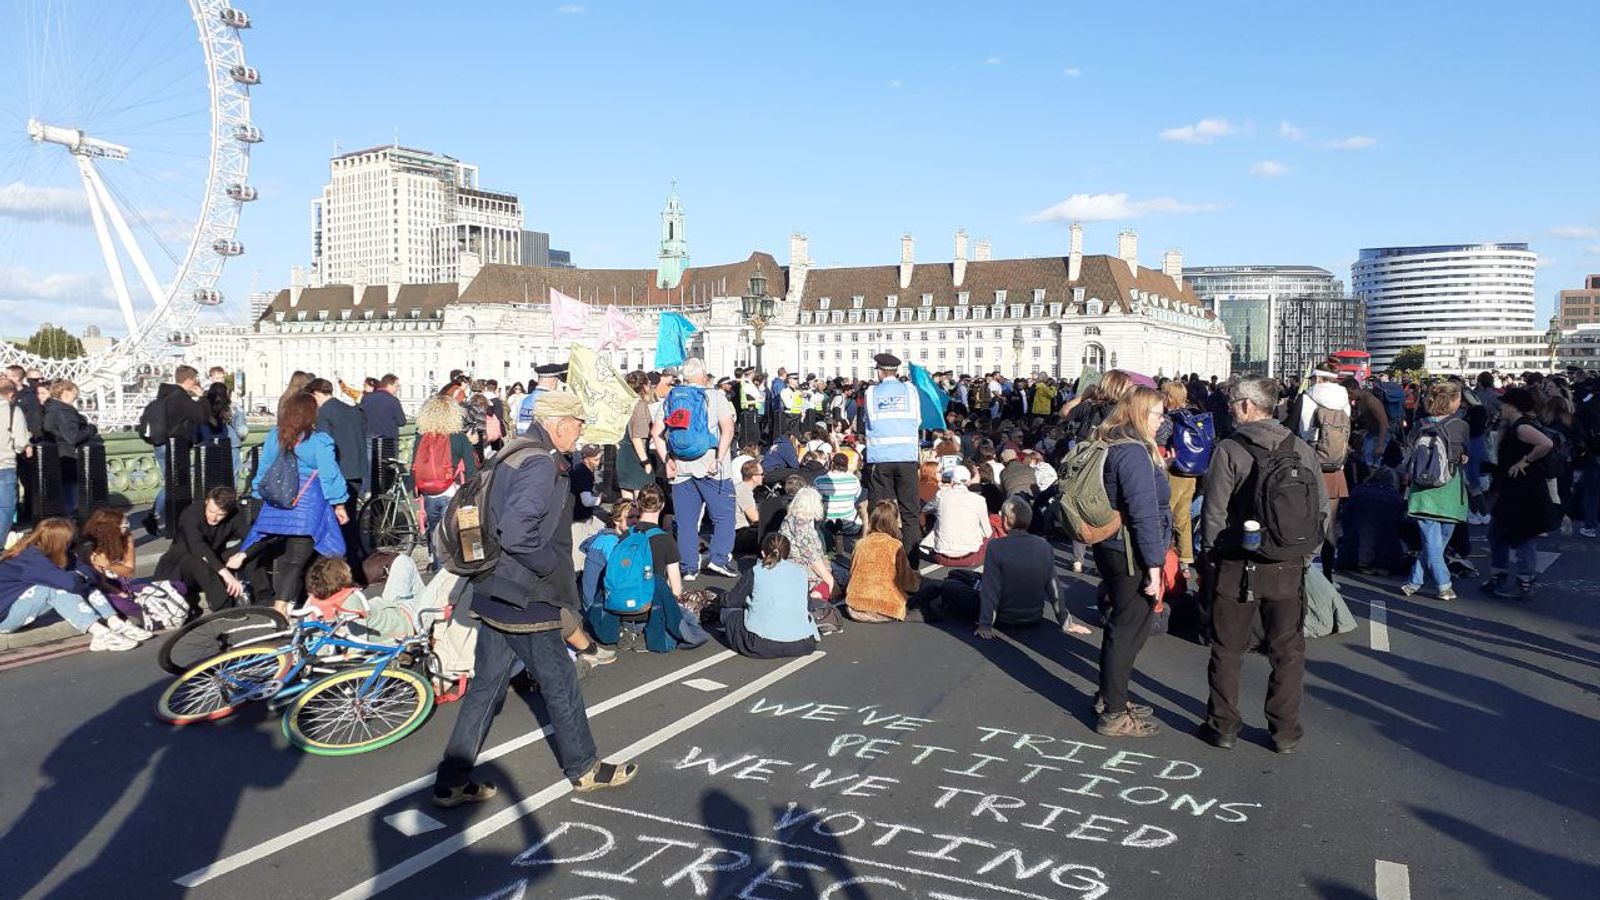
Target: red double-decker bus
(1352, 362)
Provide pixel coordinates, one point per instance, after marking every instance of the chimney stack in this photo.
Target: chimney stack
(1074, 252)
(297, 285)
(981, 253)
(799, 265)
(907, 260)
(394, 283)
(1172, 267)
(960, 267)
(1128, 249)
(359, 285)
(468, 265)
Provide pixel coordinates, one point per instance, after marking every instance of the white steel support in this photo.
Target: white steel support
(119, 284)
(129, 245)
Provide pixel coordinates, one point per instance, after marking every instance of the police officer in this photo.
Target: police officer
(892, 414)
(752, 404)
(550, 377)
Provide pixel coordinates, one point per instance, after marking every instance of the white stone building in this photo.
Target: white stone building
(394, 213)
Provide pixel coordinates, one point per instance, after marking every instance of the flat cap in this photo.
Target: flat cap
(559, 405)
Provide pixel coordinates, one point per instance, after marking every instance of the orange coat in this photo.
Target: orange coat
(880, 576)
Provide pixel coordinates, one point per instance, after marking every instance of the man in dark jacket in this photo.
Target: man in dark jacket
(1239, 584)
(1369, 421)
(385, 416)
(199, 554)
(181, 414)
(348, 427)
(27, 399)
(521, 602)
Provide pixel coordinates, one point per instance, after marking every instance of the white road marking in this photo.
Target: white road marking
(1393, 881)
(705, 684)
(412, 822)
(712, 829)
(1546, 560)
(480, 830)
(929, 568)
(378, 801)
(1378, 625)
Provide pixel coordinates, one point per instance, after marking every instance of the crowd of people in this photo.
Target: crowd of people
(773, 511)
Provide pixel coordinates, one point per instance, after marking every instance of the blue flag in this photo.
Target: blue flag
(672, 339)
(934, 401)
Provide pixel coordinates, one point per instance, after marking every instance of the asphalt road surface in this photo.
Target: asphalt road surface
(1451, 751)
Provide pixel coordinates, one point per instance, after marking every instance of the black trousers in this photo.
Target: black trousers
(355, 548)
(1279, 598)
(898, 482)
(1127, 625)
(290, 557)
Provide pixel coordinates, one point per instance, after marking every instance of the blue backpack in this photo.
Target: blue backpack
(280, 485)
(1393, 395)
(1193, 440)
(688, 423)
(630, 579)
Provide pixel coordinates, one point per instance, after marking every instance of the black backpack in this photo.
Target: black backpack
(153, 423)
(1283, 495)
(476, 552)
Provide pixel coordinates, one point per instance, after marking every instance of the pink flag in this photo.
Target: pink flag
(617, 329)
(568, 317)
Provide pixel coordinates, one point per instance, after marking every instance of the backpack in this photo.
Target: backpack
(1090, 422)
(687, 420)
(1560, 455)
(1084, 512)
(1428, 463)
(492, 432)
(152, 427)
(475, 552)
(630, 577)
(280, 484)
(1283, 494)
(1193, 441)
(432, 470)
(1333, 437)
(1393, 395)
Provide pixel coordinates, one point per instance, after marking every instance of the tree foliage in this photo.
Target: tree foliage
(1410, 359)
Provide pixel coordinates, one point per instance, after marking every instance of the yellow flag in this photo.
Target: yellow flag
(605, 396)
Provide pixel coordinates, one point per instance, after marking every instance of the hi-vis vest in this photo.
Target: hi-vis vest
(795, 402)
(750, 397)
(893, 417)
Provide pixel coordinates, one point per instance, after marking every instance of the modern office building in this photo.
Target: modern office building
(394, 214)
(1467, 354)
(535, 249)
(1579, 306)
(1281, 319)
(1412, 293)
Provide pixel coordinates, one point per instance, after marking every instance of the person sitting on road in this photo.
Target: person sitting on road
(199, 558)
(1370, 539)
(805, 542)
(746, 509)
(666, 626)
(961, 526)
(389, 616)
(840, 490)
(1018, 582)
(36, 575)
(881, 576)
(765, 613)
(597, 549)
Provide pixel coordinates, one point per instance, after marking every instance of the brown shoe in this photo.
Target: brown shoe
(605, 775)
(1124, 724)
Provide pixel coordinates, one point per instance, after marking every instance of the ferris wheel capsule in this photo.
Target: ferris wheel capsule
(181, 339)
(206, 297)
(245, 74)
(227, 248)
(244, 193)
(247, 134)
(234, 18)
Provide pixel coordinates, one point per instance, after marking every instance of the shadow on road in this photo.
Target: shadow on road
(1539, 871)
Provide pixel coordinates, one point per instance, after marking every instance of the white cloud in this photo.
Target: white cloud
(1104, 207)
(23, 285)
(895, 83)
(1544, 261)
(571, 9)
(1202, 132)
(1357, 142)
(43, 204)
(1269, 168)
(1594, 251)
(992, 61)
(1575, 232)
(1289, 132)
(1072, 71)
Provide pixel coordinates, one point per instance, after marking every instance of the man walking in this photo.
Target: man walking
(693, 431)
(1261, 523)
(521, 602)
(893, 414)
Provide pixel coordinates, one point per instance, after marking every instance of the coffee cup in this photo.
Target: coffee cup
(1252, 535)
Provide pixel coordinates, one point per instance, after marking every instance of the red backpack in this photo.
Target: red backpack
(432, 470)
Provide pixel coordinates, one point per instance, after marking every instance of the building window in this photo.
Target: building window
(857, 301)
(961, 298)
(961, 313)
(891, 301)
(1077, 295)
(1094, 356)
(927, 300)
(1038, 333)
(1036, 352)
(942, 313)
(999, 297)
(822, 302)
(922, 335)
(1038, 295)
(1094, 308)
(1091, 330)
(872, 315)
(941, 334)
(1055, 310)
(805, 318)
(977, 353)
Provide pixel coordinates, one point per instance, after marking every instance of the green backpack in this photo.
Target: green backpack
(1083, 511)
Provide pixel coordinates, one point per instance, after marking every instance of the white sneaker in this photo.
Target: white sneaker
(129, 630)
(111, 640)
(720, 570)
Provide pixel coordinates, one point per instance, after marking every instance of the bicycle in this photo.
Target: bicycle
(389, 520)
(335, 703)
(218, 632)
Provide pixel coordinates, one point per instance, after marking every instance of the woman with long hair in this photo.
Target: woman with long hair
(297, 384)
(880, 574)
(222, 421)
(1438, 509)
(634, 470)
(106, 545)
(65, 425)
(1522, 505)
(441, 436)
(765, 614)
(1130, 561)
(37, 575)
(311, 524)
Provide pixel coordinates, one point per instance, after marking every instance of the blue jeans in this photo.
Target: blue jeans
(433, 510)
(1477, 454)
(545, 655)
(690, 498)
(1435, 535)
(8, 499)
(80, 611)
(159, 510)
(1371, 453)
(1527, 556)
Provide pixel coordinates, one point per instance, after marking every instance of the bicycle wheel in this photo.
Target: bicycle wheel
(385, 525)
(218, 686)
(335, 717)
(219, 632)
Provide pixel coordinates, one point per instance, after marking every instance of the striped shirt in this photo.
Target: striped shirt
(839, 491)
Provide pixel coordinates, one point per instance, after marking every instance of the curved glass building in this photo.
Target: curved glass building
(1414, 292)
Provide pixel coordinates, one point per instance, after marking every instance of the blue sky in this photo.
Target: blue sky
(1234, 135)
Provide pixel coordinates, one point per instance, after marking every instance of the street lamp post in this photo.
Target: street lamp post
(1016, 352)
(758, 311)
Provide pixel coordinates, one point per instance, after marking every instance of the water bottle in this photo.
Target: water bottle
(1252, 535)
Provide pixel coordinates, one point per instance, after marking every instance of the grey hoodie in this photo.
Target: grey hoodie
(1230, 470)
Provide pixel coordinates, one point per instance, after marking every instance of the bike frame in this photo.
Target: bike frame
(311, 637)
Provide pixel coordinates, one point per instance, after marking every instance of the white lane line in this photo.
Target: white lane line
(412, 822)
(312, 829)
(1546, 560)
(1378, 625)
(1393, 881)
(705, 684)
(701, 826)
(480, 830)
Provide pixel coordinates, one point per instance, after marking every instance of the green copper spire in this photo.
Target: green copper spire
(674, 256)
